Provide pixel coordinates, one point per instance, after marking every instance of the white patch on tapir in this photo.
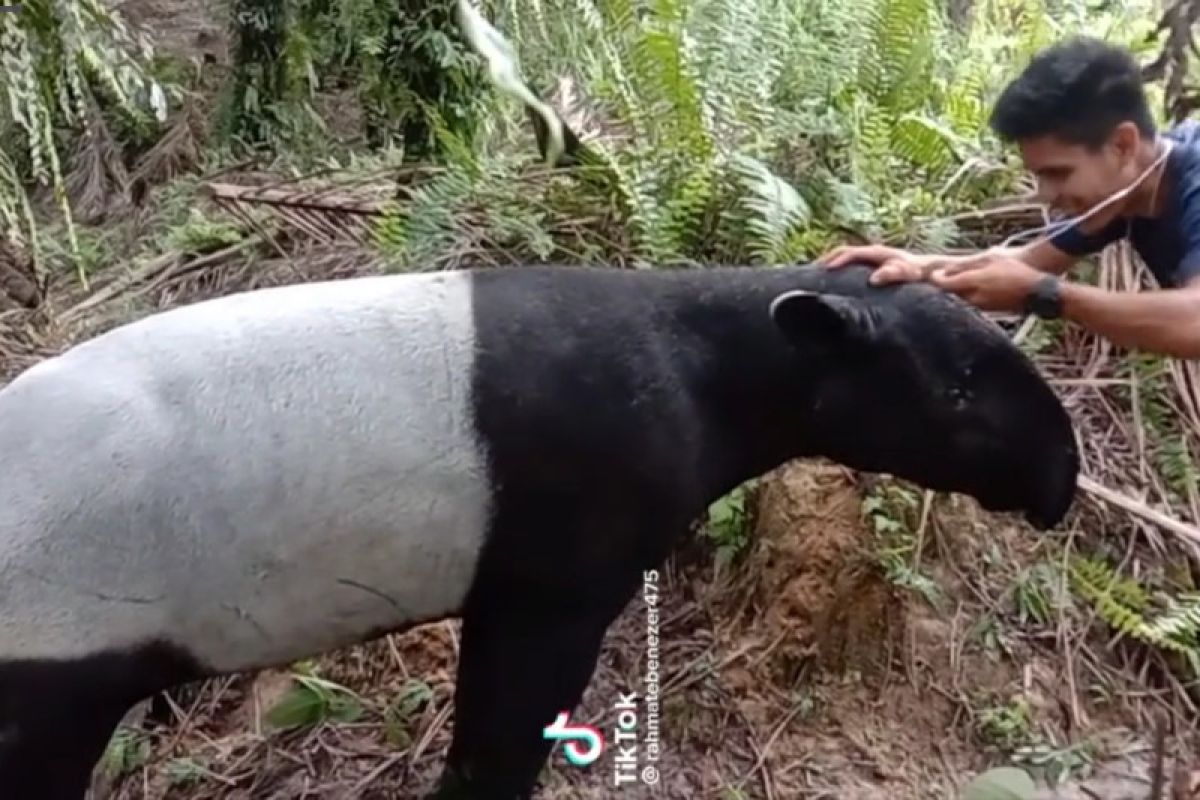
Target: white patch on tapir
(255, 478)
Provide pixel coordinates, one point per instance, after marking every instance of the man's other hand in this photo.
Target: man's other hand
(989, 282)
(892, 265)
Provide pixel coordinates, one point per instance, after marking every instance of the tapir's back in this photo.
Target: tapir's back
(210, 468)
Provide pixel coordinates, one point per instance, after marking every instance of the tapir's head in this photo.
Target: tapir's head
(911, 381)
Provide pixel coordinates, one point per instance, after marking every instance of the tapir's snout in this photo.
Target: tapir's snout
(1032, 464)
(1056, 490)
(1044, 478)
(1048, 517)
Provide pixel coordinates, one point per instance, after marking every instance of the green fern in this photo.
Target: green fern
(755, 127)
(58, 59)
(1181, 623)
(774, 210)
(926, 144)
(1124, 605)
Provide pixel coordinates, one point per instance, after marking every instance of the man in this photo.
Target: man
(1079, 116)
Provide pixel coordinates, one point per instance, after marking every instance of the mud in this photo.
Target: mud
(818, 587)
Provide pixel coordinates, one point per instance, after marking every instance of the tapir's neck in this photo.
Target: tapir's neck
(755, 391)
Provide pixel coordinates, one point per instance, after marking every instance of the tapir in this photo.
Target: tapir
(251, 480)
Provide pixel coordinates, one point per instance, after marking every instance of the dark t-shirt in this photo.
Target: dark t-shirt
(1170, 243)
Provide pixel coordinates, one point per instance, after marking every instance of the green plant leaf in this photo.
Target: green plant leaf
(1001, 783)
(311, 701)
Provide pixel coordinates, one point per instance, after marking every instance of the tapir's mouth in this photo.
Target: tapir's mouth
(1043, 514)
(1041, 520)
(1053, 510)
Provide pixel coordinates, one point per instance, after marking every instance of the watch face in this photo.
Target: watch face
(1046, 299)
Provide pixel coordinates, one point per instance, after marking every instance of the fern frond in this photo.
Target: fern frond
(1180, 623)
(773, 207)
(926, 144)
(1095, 575)
(1122, 604)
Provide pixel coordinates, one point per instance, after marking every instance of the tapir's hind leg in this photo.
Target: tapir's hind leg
(527, 654)
(57, 717)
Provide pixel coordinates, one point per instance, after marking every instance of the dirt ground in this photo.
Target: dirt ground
(802, 670)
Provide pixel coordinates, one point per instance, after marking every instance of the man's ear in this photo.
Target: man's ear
(808, 318)
(1125, 138)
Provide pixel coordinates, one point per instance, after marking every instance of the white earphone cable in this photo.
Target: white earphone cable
(1060, 225)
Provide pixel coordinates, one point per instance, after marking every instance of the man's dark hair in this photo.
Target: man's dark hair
(1079, 91)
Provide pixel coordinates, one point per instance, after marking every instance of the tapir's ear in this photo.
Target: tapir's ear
(812, 318)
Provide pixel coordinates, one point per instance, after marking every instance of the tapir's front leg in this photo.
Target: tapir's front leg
(527, 654)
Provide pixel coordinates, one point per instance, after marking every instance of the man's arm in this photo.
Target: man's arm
(1166, 322)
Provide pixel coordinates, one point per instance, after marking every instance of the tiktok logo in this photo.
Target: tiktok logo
(583, 744)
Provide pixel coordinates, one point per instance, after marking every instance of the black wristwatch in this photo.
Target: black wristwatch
(1045, 300)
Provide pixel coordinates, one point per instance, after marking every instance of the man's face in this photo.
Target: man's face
(1073, 178)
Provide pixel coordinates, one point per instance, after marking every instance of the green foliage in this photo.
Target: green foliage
(1001, 783)
(892, 511)
(1127, 607)
(402, 59)
(127, 750)
(312, 700)
(727, 523)
(184, 771)
(398, 714)
(760, 131)
(262, 85)
(1036, 593)
(1054, 764)
(61, 61)
(201, 234)
(1006, 726)
(480, 202)
(775, 213)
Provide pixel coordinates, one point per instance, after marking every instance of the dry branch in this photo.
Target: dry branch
(155, 269)
(318, 213)
(297, 198)
(1189, 532)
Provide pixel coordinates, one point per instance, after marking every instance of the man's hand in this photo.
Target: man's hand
(893, 265)
(988, 281)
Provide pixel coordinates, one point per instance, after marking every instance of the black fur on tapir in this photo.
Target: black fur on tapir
(247, 481)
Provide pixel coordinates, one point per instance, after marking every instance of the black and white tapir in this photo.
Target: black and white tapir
(252, 480)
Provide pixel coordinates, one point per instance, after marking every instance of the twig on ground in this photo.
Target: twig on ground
(1156, 768)
(1139, 509)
